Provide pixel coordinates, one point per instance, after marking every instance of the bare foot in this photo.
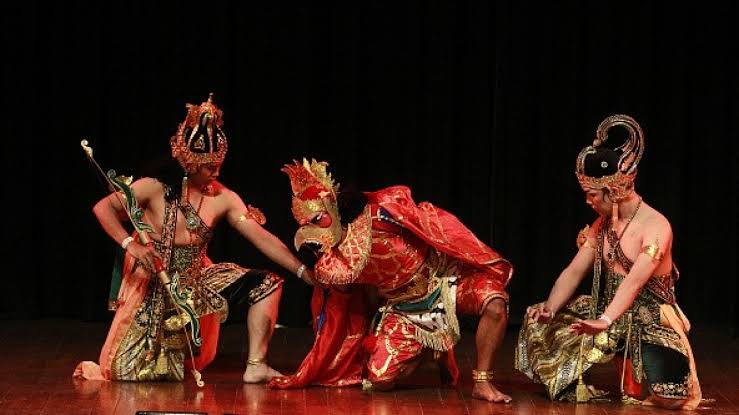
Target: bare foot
(259, 373)
(487, 392)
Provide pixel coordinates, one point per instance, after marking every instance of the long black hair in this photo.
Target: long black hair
(351, 204)
(169, 173)
(604, 162)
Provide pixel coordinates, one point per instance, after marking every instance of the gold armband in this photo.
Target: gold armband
(653, 251)
(582, 238)
(252, 213)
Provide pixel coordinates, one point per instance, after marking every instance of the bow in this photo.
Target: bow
(181, 298)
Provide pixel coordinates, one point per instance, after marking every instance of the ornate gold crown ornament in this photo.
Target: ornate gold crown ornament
(199, 138)
(621, 183)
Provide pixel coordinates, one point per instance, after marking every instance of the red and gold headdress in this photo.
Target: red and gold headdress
(599, 167)
(200, 139)
(314, 204)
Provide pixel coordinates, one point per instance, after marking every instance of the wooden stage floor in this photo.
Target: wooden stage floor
(39, 357)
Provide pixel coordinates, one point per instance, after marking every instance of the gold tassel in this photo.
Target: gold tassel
(614, 216)
(442, 340)
(162, 366)
(625, 398)
(582, 394)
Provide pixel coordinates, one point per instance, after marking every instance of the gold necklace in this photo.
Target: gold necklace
(616, 239)
(192, 221)
(193, 218)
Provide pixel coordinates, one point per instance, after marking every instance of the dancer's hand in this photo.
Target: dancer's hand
(591, 327)
(540, 313)
(144, 254)
(309, 278)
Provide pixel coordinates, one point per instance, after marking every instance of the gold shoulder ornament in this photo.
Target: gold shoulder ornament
(582, 238)
(253, 213)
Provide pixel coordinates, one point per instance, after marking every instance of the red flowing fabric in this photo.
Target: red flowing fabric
(336, 358)
(210, 329)
(441, 229)
(632, 387)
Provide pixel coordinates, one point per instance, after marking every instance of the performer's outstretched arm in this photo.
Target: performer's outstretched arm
(262, 239)
(569, 278)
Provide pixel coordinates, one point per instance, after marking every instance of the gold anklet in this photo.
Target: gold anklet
(255, 362)
(482, 375)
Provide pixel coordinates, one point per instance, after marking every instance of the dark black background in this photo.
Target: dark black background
(480, 107)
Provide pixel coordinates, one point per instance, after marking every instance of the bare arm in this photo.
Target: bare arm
(262, 239)
(641, 271)
(112, 215)
(567, 282)
(569, 279)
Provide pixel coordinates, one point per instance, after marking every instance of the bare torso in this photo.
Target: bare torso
(211, 207)
(642, 231)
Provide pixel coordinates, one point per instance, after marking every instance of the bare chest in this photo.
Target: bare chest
(189, 222)
(626, 246)
(629, 243)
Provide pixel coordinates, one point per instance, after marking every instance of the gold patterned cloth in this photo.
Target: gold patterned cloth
(548, 353)
(155, 344)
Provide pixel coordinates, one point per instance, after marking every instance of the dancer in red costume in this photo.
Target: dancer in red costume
(423, 263)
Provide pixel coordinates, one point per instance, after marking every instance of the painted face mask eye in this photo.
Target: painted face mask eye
(322, 220)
